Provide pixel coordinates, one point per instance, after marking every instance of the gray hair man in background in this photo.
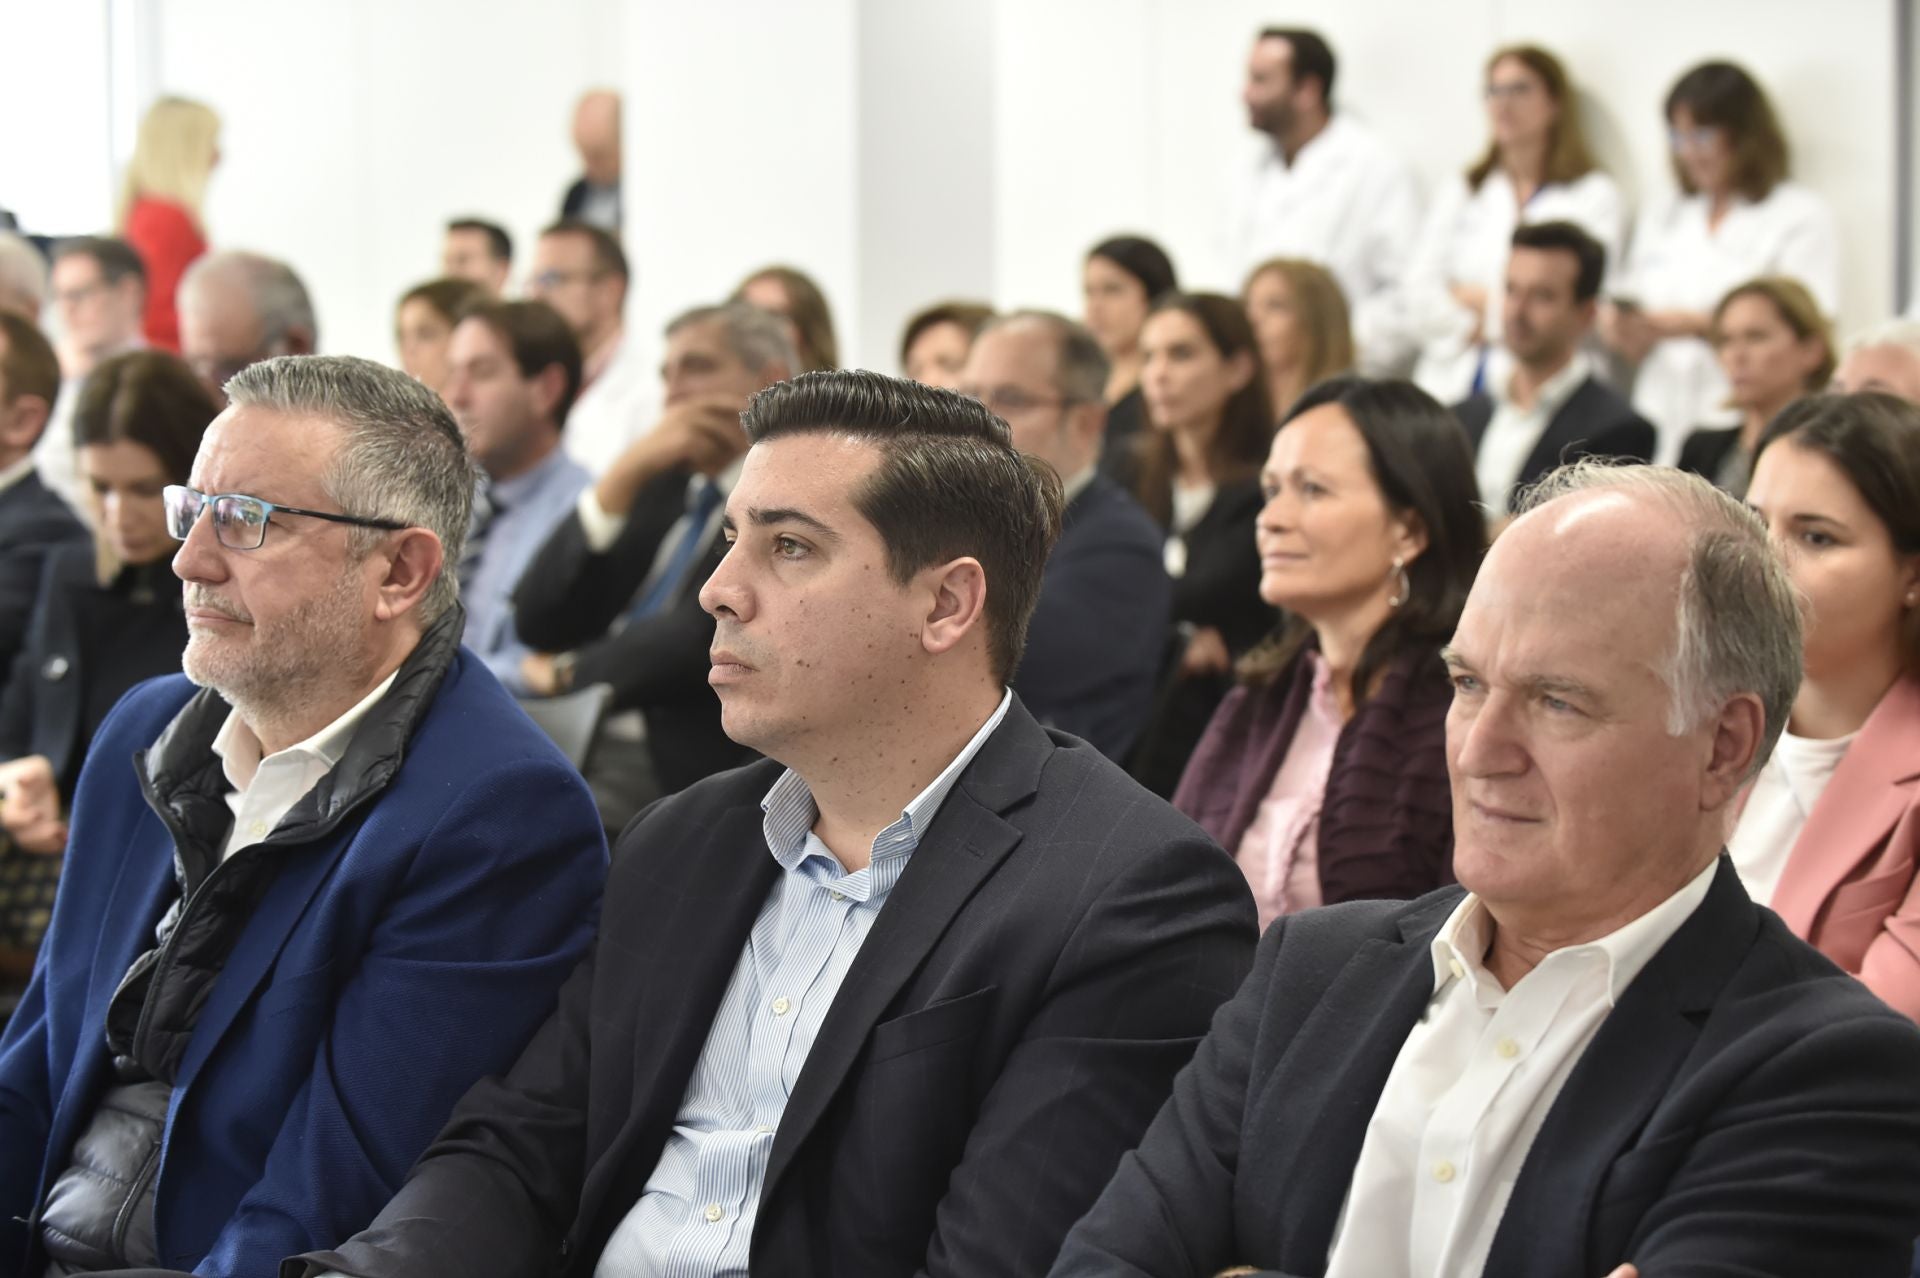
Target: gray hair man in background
(318, 906)
(1597, 1055)
(614, 595)
(1886, 358)
(238, 308)
(1094, 645)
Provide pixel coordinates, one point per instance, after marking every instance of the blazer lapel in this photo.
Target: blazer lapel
(1620, 1078)
(1565, 428)
(1862, 802)
(696, 912)
(967, 842)
(1311, 1117)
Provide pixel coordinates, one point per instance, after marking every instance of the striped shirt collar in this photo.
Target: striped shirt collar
(790, 812)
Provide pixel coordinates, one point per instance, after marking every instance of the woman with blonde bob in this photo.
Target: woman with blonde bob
(1301, 324)
(161, 198)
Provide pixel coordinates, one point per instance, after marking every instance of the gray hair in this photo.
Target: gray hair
(280, 300)
(1903, 333)
(23, 275)
(1738, 623)
(758, 337)
(402, 457)
(1081, 374)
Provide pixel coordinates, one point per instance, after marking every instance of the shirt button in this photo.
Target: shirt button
(839, 896)
(258, 829)
(1507, 1048)
(713, 1212)
(1453, 965)
(764, 1130)
(781, 1007)
(1443, 1171)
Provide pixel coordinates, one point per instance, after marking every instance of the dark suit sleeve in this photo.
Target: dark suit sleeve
(1221, 587)
(1162, 947)
(23, 556)
(659, 659)
(16, 701)
(1630, 437)
(569, 595)
(1169, 1211)
(1808, 1165)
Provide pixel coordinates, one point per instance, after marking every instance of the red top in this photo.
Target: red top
(167, 241)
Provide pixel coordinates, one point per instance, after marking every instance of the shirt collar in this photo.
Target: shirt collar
(509, 492)
(790, 810)
(13, 474)
(1460, 948)
(1078, 484)
(238, 748)
(1558, 388)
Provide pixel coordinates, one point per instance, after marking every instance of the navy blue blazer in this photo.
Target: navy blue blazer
(1746, 1108)
(392, 962)
(1095, 642)
(33, 520)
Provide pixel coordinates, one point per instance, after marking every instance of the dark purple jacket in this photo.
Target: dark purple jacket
(1386, 823)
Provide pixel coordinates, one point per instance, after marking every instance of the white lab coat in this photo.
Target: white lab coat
(1347, 202)
(1676, 263)
(615, 408)
(1466, 239)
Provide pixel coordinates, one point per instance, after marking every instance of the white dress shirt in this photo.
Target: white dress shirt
(265, 789)
(1471, 1087)
(1777, 808)
(1348, 202)
(1678, 262)
(617, 406)
(695, 1217)
(1513, 431)
(1467, 238)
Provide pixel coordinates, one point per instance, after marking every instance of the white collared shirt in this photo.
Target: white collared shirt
(265, 789)
(1513, 431)
(1471, 1087)
(1347, 201)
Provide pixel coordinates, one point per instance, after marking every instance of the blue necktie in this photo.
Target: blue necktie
(666, 585)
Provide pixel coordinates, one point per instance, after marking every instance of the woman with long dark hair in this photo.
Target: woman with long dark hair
(1324, 772)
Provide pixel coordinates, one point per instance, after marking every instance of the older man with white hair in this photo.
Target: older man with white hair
(1596, 1056)
(238, 308)
(1883, 359)
(307, 902)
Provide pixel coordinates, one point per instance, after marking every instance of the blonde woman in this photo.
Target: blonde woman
(1301, 325)
(160, 203)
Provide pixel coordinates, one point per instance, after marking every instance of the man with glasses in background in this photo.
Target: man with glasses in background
(582, 272)
(1094, 644)
(307, 903)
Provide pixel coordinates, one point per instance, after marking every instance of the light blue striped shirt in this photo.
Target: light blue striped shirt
(695, 1217)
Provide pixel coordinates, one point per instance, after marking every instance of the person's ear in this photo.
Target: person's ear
(1738, 732)
(412, 561)
(549, 384)
(1410, 535)
(1240, 370)
(959, 604)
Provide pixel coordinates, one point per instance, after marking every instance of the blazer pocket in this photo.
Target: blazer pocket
(296, 993)
(947, 1021)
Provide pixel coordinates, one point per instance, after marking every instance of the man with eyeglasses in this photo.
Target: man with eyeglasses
(582, 272)
(100, 293)
(1094, 644)
(239, 308)
(307, 903)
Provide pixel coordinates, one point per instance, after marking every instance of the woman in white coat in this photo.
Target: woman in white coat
(1537, 168)
(1735, 217)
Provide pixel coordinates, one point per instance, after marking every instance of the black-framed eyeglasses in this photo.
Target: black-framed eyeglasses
(240, 521)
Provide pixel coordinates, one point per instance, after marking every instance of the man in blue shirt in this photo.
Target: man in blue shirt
(515, 369)
(893, 1000)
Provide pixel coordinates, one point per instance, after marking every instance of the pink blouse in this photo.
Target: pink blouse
(1279, 853)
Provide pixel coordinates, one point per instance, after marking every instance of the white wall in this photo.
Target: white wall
(899, 150)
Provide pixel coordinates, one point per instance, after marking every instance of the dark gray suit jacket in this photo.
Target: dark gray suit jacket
(1045, 964)
(1747, 1109)
(33, 520)
(1594, 422)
